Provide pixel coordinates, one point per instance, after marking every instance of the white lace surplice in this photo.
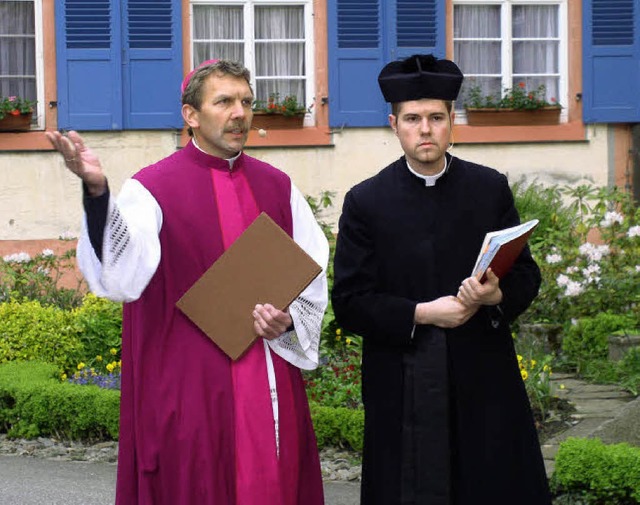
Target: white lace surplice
(131, 254)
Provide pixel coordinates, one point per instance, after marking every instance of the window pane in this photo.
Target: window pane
(218, 32)
(478, 22)
(284, 87)
(535, 57)
(17, 50)
(488, 86)
(476, 57)
(279, 22)
(535, 21)
(280, 51)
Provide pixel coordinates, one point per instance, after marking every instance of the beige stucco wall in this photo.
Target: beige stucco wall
(40, 199)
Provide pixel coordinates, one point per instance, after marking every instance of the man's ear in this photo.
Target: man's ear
(191, 116)
(393, 123)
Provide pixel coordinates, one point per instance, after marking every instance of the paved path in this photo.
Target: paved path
(595, 405)
(32, 481)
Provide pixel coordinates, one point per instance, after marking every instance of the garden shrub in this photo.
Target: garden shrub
(587, 339)
(33, 403)
(30, 331)
(338, 426)
(604, 474)
(99, 325)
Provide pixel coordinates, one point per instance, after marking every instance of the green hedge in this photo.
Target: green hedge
(33, 403)
(338, 427)
(30, 331)
(604, 474)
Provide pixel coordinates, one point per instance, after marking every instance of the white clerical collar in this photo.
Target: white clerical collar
(430, 180)
(230, 160)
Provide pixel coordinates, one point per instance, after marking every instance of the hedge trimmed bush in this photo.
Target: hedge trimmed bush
(588, 338)
(33, 403)
(30, 331)
(338, 426)
(606, 474)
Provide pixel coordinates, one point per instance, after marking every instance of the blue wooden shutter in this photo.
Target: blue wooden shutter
(88, 64)
(611, 61)
(152, 64)
(363, 36)
(356, 57)
(419, 28)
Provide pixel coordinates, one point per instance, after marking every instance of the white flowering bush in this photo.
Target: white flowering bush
(588, 250)
(37, 278)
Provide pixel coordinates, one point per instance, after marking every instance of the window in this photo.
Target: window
(21, 53)
(273, 40)
(500, 44)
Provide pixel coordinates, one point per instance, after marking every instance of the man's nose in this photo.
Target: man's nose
(238, 110)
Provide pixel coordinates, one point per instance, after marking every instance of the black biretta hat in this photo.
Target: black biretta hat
(420, 76)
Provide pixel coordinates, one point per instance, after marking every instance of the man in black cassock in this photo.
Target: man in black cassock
(447, 418)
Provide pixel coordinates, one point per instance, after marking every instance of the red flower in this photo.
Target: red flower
(521, 84)
(15, 112)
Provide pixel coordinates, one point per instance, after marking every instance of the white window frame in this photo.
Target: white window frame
(249, 40)
(506, 55)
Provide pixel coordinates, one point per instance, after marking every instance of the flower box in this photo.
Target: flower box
(274, 121)
(513, 117)
(19, 122)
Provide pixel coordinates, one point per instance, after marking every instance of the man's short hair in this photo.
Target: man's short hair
(193, 93)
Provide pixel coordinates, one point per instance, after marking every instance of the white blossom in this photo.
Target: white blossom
(573, 288)
(21, 257)
(634, 231)
(42, 270)
(637, 268)
(593, 252)
(591, 273)
(47, 252)
(563, 280)
(611, 218)
(553, 258)
(573, 270)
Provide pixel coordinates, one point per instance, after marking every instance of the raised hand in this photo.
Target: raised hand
(80, 160)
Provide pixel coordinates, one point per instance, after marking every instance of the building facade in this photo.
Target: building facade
(111, 69)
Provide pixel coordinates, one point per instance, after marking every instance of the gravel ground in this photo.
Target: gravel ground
(336, 464)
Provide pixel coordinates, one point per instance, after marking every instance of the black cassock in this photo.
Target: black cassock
(447, 418)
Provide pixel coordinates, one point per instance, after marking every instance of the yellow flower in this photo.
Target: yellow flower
(524, 375)
(338, 332)
(338, 338)
(519, 359)
(533, 363)
(63, 377)
(561, 386)
(110, 367)
(545, 368)
(120, 363)
(347, 341)
(98, 358)
(81, 366)
(113, 351)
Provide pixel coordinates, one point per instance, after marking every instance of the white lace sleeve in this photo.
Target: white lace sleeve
(300, 347)
(131, 246)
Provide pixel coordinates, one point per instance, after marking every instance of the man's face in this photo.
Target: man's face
(424, 130)
(221, 126)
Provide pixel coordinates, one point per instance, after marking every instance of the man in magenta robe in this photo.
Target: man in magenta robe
(195, 426)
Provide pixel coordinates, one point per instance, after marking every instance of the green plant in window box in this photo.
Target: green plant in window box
(287, 106)
(517, 106)
(15, 106)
